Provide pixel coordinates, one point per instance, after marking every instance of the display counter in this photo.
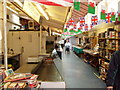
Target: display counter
(77, 49)
(91, 52)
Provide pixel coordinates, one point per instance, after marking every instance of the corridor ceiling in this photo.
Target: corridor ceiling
(58, 15)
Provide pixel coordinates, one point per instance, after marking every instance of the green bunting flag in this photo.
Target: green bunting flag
(103, 15)
(79, 31)
(65, 30)
(77, 5)
(71, 31)
(113, 18)
(118, 16)
(91, 8)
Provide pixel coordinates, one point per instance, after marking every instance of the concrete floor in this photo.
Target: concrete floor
(73, 70)
(76, 73)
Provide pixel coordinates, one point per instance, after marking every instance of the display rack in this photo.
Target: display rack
(108, 44)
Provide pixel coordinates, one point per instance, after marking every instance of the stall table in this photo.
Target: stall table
(91, 57)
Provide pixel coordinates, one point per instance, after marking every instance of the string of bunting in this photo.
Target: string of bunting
(106, 17)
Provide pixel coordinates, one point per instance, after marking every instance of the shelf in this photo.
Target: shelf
(102, 47)
(114, 38)
(13, 23)
(102, 38)
(110, 38)
(107, 48)
(104, 57)
(104, 67)
(112, 49)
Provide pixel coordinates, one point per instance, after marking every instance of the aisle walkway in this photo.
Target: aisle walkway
(76, 73)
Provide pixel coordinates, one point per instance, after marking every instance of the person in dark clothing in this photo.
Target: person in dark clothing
(59, 52)
(113, 75)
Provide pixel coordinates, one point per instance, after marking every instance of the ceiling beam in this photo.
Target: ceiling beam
(84, 4)
(83, 8)
(83, 12)
(67, 16)
(75, 13)
(76, 16)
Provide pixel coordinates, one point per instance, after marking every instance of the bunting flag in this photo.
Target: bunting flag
(67, 26)
(77, 5)
(94, 20)
(71, 30)
(113, 18)
(65, 3)
(108, 17)
(91, 26)
(118, 16)
(86, 27)
(75, 26)
(65, 30)
(103, 15)
(71, 22)
(81, 27)
(91, 8)
(82, 21)
(79, 30)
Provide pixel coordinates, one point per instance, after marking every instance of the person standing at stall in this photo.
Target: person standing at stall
(113, 75)
(58, 51)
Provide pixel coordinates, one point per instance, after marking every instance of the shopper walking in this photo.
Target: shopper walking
(67, 46)
(113, 75)
(61, 42)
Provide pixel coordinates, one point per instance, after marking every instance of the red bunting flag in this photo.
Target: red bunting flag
(94, 20)
(82, 21)
(71, 22)
(108, 17)
(86, 27)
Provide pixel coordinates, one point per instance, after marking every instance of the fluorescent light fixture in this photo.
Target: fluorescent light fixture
(54, 33)
(42, 11)
(12, 10)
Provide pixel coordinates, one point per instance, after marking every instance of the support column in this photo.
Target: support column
(5, 35)
(40, 39)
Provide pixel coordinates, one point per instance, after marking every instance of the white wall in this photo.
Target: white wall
(29, 40)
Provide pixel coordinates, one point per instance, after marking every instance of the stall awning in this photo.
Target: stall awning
(65, 3)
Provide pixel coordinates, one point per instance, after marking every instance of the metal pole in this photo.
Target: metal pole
(5, 35)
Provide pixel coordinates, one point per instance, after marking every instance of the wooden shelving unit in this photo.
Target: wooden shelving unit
(108, 44)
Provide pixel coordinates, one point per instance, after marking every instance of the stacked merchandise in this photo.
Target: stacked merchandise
(103, 68)
(18, 81)
(1, 78)
(32, 82)
(108, 42)
(15, 85)
(102, 44)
